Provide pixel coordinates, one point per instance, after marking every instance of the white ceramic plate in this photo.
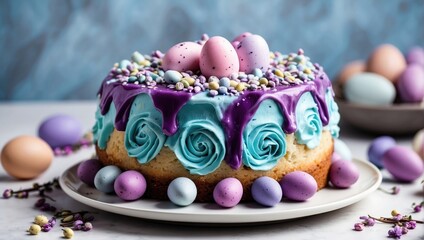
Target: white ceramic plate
(326, 200)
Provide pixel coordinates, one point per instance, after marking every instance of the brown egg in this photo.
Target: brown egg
(388, 61)
(26, 157)
(349, 70)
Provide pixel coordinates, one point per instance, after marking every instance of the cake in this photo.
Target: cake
(214, 109)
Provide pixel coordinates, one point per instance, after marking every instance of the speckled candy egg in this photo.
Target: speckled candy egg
(26, 157)
(266, 191)
(403, 163)
(351, 69)
(411, 84)
(182, 57)
(87, 170)
(369, 89)
(342, 149)
(130, 185)
(182, 191)
(218, 58)
(236, 41)
(228, 192)
(388, 61)
(253, 52)
(378, 147)
(418, 143)
(298, 186)
(416, 56)
(60, 130)
(105, 178)
(343, 174)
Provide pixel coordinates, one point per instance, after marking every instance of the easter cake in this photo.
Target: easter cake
(213, 110)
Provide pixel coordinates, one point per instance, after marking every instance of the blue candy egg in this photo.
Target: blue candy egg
(105, 178)
(60, 130)
(182, 191)
(342, 149)
(378, 147)
(266, 191)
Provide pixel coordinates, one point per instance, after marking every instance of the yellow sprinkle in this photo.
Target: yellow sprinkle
(307, 71)
(134, 72)
(145, 63)
(291, 78)
(189, 80)
(263, 81)
(240, 87)
(233, 83)
(185, 83)
(116, 65)
(271, 55)
(278, 73)
(213, 85)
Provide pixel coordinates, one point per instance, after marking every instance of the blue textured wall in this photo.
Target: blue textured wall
(63, 49)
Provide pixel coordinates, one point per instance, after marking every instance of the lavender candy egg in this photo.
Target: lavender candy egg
(241, 37)
(253, 52)
(182, 191)
(266, 191)
(228, 192)
(87, 170)
(416, 56)
(343, 174)
(60, 130)
(298, 186)
(105, 178)
(182, 57)
(403, 163)
(130, 185)
(411, 84)
(378, 147)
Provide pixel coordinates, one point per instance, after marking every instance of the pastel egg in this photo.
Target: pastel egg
(298, 186)
(60, 130)
(87, 170)
(253, 52)
(182, 191)
(343, 174)
(342, 149)
(26, 157)
(266, 191)
(418, 143)
(241, 37)
(130, 185)
(351, 69)
(403, 163)
(378, 148)
(182, 57)
(335, 157)
(228, 192)
(105, 178)
(369, 89)
(388, 61)
(416, 56)
(411, 84)
(218, 58)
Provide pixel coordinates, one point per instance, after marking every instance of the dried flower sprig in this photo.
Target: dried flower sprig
(85, 142)
(418, 207)
(36, 187)
(393, 191)
(75, 220)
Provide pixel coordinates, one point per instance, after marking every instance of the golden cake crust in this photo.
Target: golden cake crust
(160, 171)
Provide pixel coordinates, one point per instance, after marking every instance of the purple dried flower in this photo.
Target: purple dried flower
(87, 226)
(40, 202)
(358, 227)
(46, 227)
(395, 232)
(410, 224)
(397, 217)
(404, 230)
(45, 207)
(7, 193)
(395, 190)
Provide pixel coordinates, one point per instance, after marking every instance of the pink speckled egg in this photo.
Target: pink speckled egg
(218, 58)
(242, 36)
(343, 174)
(228, 192)
(388, 61)
(130, 185)
(253, 52)
(298, 186)
(403, 163)
(182, 57)
(411, 84)
(87, 170)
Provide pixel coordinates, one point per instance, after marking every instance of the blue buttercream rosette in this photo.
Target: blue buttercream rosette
(308, 121)
(199, 145)
(143, 137)
(333, 112)
(103, 126)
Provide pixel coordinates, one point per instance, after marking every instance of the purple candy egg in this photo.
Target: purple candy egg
(130, 185)
(416, 56)
(343, 174)
(411, 84)
(253, 52)
(377, 149)
(403, 163)
(87, 170)
(298, 186)
(228, 192)
(60, 130)
(266, 191)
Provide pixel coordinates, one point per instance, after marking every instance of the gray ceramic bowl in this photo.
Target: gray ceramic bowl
(391, 120)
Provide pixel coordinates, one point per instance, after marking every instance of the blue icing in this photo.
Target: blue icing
(144, 137)
(199, 143)
(104, 126)
(264, 141)
(309, 124)
(333, 112)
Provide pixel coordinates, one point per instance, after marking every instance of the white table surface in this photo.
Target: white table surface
(16, 215)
